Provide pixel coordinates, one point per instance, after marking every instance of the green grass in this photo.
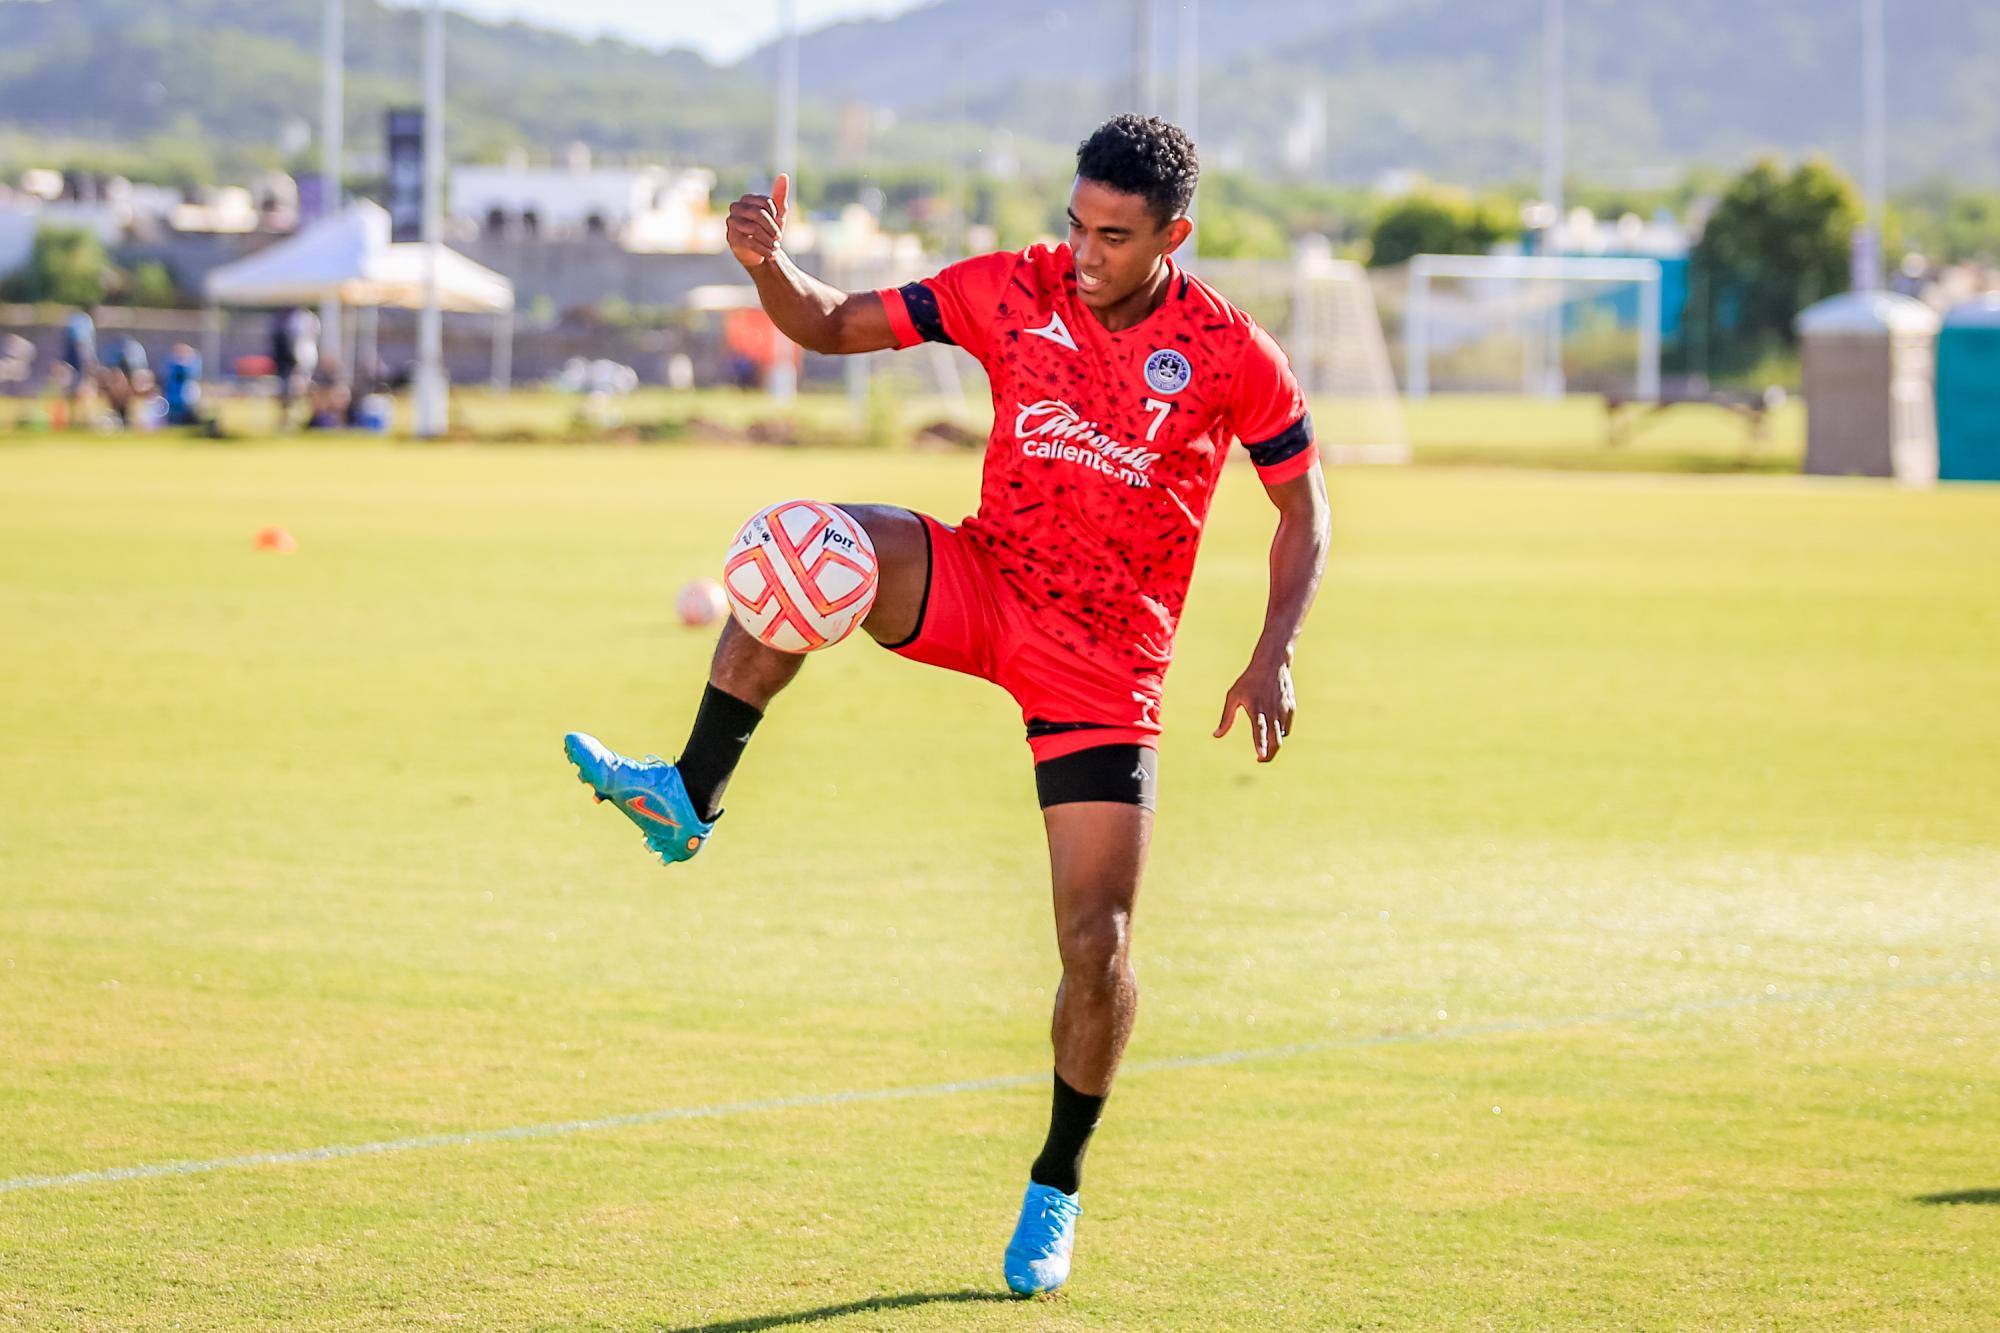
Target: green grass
(1630, 884)
(1450, 430)
(1571, 433)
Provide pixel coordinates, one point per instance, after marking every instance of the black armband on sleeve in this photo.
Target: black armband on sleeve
(922, 304)
(1295, 440)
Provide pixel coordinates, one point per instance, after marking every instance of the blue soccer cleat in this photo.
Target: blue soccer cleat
(649, 791)
(1038, 1256)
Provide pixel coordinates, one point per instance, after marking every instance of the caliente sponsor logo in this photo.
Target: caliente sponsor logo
(1051, 428)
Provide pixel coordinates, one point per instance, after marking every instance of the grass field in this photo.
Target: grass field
(1448, 430)
(1613, 946)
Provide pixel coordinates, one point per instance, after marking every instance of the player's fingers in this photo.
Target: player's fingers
(745, 222)
(748, 242)
(781, 193)
(1261, 737)
(1229, 707)
(755, 232)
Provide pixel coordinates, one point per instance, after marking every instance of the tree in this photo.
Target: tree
(68, 266)
(1951, 223)
(1237, 233)
(1777, 242)
(1438, 222)
(149, 285)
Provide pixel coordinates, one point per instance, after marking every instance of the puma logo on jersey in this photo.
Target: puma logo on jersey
(1055, 331)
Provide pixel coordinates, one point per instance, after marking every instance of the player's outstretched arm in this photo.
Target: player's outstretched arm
(1298, 558)
(812, 314)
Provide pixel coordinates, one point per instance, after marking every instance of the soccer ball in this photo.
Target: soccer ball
(701, 603)
(800, 576)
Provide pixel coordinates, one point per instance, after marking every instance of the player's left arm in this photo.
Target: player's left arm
(1298, 560)
(1268, 412)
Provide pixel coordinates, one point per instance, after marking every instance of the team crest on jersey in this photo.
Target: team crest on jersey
(1167, 371)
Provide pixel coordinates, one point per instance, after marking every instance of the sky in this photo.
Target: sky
(722, 32)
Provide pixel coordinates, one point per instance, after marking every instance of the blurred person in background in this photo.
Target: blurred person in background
(180, 385)
(76, 367)
(294, 356)
(327, 406)
(17, 363)
(126, 378)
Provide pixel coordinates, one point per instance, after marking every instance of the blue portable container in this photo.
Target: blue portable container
(1968, 392)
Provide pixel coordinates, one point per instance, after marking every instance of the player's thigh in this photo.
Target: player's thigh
(1097, 855)
(903, 562)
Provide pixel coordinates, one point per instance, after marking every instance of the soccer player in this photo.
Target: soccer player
(1119, 381)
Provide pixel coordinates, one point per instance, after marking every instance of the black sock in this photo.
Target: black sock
(722, 727)
(1071, 1120)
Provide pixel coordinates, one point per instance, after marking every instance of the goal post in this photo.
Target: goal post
(1535, 299)
(1323, 310)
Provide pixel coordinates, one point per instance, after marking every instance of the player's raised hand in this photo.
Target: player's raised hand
(756, 222)
(1264, 695)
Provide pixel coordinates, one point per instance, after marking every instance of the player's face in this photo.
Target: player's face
(1118, 244)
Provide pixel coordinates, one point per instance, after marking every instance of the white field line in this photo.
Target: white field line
(809, 1100)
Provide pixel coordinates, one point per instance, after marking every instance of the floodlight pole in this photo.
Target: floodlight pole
(430, 402)
(784, 155)
(1868, 239)
(1142, 57)
(785, 142)
(1555, 116)
(1187, 99)
(333, 47)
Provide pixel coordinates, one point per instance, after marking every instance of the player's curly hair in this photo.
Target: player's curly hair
(1143, 155)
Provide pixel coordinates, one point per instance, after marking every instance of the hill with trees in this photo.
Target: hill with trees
(1326, 90)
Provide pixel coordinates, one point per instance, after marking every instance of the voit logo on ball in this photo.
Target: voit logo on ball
(800, 575)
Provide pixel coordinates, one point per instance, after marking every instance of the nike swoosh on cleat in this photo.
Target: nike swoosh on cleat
(638, 804)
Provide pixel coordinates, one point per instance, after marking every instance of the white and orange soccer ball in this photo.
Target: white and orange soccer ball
(800, 576)
(701, 602)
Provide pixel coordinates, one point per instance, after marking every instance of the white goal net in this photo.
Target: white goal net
(1320, 308)
(1532, 325)
(1323, 311)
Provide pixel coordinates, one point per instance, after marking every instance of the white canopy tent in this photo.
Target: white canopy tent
(349, 258)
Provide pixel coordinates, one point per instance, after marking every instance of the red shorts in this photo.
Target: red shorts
(973, 621)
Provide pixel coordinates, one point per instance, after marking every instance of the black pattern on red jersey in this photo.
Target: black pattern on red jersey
(1107, 446)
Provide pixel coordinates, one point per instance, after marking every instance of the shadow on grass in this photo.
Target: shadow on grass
(1962, 1196)
(826, 1312)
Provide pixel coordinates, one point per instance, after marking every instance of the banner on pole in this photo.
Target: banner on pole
(312, 199)
(406, 174)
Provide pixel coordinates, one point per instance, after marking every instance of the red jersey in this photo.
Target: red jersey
(1106, 447)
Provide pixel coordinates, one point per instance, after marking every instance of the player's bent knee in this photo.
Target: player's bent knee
(903, 563)
(896, 534)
